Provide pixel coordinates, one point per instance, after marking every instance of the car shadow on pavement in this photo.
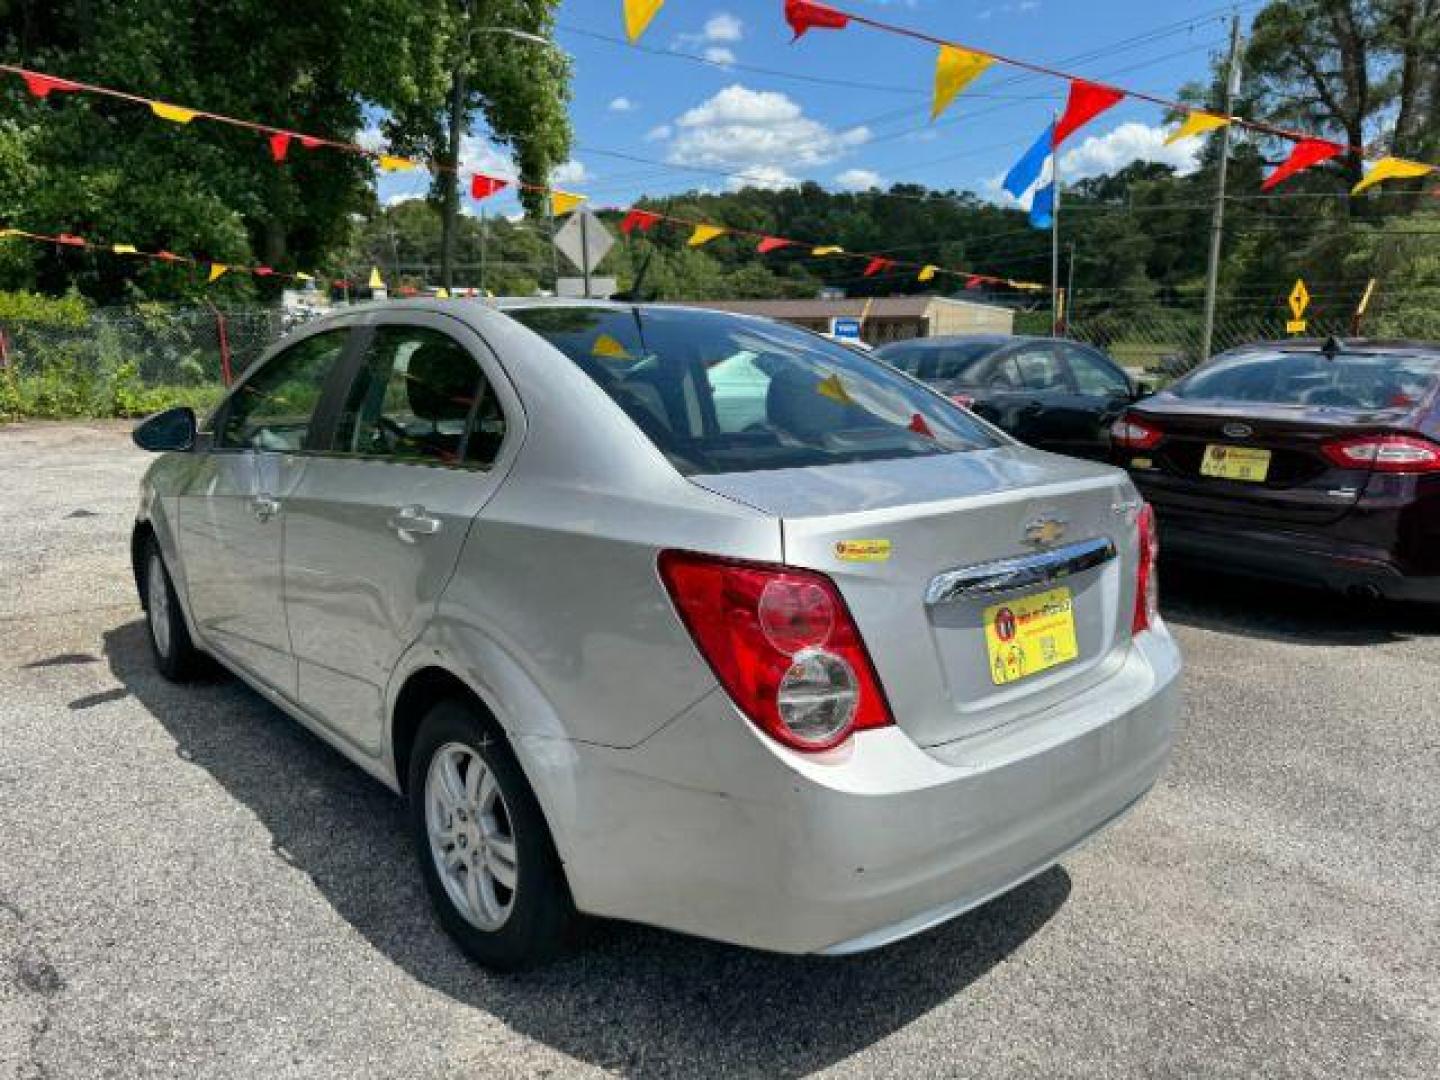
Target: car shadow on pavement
(1249, 607)
(635, 1000)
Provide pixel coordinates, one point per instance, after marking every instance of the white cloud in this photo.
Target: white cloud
(622, 104)
(722, 26)
(859, 180)
(659, 133)
(720, 30)
(478, 155)
(572, 172)
(758, 133)
(1101, 155)
(772, 177)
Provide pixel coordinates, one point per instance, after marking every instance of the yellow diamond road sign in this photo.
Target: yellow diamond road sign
(1299, 300)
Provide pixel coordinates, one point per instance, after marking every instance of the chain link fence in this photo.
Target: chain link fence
(130, 361)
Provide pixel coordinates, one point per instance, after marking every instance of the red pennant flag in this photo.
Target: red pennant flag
(482, 186)
(639, 219)
(974, 281)
(772, 243)
(803, 15)
(70, 240)
(920, 427)
(262, 271)
(309, 142)
(167, 256)
(1307, 152)
(279, 145)
(1087, 101)
(42, 85)
(876, 265)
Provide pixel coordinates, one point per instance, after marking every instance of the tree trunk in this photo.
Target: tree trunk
(450, 180)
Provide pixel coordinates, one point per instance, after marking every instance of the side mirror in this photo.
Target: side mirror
(173, 429)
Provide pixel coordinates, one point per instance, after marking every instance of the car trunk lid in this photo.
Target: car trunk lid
(1300, 485)
(906, 541)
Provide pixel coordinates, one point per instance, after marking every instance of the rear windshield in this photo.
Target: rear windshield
(722, 393)
(938, 362)
(1349, 381)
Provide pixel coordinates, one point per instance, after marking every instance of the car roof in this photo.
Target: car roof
(1347, 345)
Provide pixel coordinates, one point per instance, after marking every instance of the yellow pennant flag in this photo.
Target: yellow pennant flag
(834, 389)
(1197, 123)
(217, 271)
(1392, 168)
(391, 163)
(174, 113)
(829, 249)
(928, 273)
(955, 69)
(376, 281)
(609, 348)
(638, 14)
(564, 202)
(442, 293)
(703, 234)
(124, 249)
(304, 277)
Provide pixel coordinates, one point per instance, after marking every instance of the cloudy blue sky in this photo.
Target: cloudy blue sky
(719, 97)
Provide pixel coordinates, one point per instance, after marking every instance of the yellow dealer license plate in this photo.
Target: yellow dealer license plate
(1029, 635)
(1236, 463)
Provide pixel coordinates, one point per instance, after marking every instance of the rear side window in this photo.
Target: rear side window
(420, 397)
(940, 362)
(1093, 374)
(1349, 381)
(721, 393)
(273, 409)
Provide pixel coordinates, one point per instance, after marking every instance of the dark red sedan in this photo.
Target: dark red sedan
(1307, 461)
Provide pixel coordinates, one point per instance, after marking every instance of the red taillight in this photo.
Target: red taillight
(1147, 587)
(782, 643)
(1132, 433)
(1385, 453)
(965, 401)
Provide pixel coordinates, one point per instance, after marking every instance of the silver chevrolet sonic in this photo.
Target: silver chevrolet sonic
(667, 615)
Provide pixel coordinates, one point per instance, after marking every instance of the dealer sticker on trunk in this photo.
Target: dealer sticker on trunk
(1030, 635)
(862, 550)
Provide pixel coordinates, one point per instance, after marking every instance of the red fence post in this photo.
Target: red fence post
(220, 333)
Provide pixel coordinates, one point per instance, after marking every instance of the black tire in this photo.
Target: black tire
(542, 920)
(175, 654)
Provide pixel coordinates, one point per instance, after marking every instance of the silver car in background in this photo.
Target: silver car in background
(666, 615)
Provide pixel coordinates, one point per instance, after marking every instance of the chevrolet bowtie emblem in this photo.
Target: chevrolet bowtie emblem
(1043, 532)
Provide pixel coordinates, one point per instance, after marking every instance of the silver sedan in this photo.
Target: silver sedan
(666, 615)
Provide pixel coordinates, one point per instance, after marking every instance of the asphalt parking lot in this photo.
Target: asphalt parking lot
(191, 885)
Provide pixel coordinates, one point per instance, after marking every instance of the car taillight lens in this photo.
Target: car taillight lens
(1147, 587)
(1130, 433)
(783, 645)
(965, 401)
(1385, 453)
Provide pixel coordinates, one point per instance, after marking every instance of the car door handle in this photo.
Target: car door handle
(264, 507)
(412, 521)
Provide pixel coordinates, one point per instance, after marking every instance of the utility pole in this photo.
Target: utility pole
(1217, 220)
(1070, 290)
(1055, 300)
(450, 173)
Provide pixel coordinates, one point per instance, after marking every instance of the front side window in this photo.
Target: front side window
(1093, 374)
(273, 409)
(1039, 369)
(421, 397)
(721, 393)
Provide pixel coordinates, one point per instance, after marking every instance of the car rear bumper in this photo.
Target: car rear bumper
(1304, 558)
(710, 829)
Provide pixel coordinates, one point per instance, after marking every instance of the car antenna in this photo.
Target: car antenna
(1332, 348)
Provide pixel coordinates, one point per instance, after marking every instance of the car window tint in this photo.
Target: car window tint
(722, 393)
(272, 409)
(1093, 374)
(420, 396)
(1349, 381)
(1039, 368)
